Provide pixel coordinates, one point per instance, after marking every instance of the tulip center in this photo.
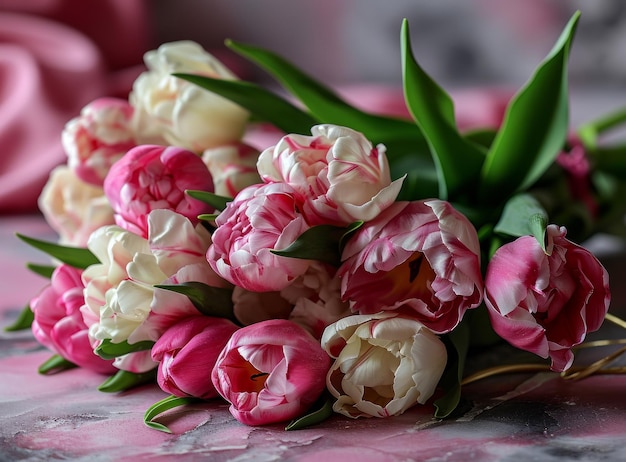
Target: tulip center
(412, 279)
(247, 378)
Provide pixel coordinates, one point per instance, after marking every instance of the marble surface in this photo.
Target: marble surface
(64, 417)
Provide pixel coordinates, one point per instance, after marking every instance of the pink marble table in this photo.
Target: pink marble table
(63, 416)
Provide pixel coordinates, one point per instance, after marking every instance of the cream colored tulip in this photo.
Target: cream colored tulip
(170, 110)
(384, 364)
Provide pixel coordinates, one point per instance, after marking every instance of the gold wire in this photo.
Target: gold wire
(574, 373)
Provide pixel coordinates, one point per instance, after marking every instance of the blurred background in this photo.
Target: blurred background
(58, 55)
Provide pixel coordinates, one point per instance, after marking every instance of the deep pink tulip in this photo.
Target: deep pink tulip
(271, 371)
(546, 302)
(186, 353)
(260, 219)
(422, 257)
(152, 177)
(58, 323)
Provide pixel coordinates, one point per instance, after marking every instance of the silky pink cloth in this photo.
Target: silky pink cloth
(48, 72)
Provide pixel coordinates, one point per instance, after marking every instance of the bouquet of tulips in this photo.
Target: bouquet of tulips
(348, 267)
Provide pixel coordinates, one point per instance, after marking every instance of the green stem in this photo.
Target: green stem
(590, 131)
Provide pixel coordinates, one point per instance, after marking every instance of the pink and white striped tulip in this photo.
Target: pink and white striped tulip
(58, 323)
(384, 364)
(422, 257)
(260, 219)
(152, 177)
(547, 301)
(271, 371)
(340, 175)
(233, 168)
(316, 299)
(97, 138)
(121, 301)
(187, 352)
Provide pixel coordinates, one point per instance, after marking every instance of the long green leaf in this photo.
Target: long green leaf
(54, 364)
(523, 215)
(110, 350)
(162, 406)
(321, 410)
(535, 126)
(42, 270)
(321, 242)
(325, 104)
(73, 256)
(210, 301)
(24, 320)
(212, 199)
(124, 380)
(263, 104)
(457, 344)
(458, 160)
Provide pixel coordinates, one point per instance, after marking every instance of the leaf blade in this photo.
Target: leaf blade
(74, 256)
(262, 103)
(433, 111)
(162, 406)
(324, 103)
(23, 321)
(210, 301)
(535, 126)
(109, 350)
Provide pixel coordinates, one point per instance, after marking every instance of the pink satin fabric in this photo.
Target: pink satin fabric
(48, 72)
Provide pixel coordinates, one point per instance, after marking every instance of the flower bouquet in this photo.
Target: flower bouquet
(348, 267)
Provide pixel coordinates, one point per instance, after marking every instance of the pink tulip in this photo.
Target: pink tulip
(233, 167)
(99, 137)
(58, 323)
(152, 177)
(187, 352)
(546, 302)
(270, 372)
(341, 177)
(422, 257)
(316, 299)
(260, 219)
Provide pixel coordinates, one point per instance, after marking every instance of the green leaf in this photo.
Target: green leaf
(591, 131)
(534, 129)
(208, 216)
(55, 364)
(319, 412)
(458, 160)
(523, 215)
(24, 320)
(73, 256)
(110, 350)
(262, 103)
(42, 270)
(162, 406)
(457, 344)
(322, 243)
(210, 301)
(483, 137)
(325, 104)
(214, 200)
(124, 380)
